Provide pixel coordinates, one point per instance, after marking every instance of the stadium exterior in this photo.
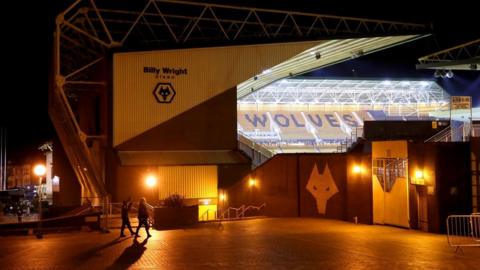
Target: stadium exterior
(156, 88)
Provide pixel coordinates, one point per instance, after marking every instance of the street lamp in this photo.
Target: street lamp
(39, 171)
(151, 182)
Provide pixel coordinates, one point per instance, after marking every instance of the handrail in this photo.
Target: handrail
(255, 146)
(255, 151)
(202, 216)
(252, 207)
(440, 136)
(232, 208)
(240, 211)
(445, 135)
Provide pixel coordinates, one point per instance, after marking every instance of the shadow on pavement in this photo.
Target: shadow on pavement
(130, 255)
(94, 252)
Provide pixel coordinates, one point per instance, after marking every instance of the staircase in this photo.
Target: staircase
(74, 143)
(256, 152)
(455, 134)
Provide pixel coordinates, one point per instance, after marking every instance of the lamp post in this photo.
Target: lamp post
(39, 171)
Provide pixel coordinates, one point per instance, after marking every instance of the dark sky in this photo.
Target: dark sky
(28, 31)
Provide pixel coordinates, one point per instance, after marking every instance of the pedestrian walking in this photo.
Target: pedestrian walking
(142, 217)
(126, 206)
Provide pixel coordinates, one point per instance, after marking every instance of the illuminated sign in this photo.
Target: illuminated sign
(461, 102)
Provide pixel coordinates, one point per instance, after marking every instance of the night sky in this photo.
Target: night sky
(27, 45)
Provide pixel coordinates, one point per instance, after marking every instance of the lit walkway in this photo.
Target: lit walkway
(250, 244)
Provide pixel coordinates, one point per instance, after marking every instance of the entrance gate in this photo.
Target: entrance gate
(390, 192)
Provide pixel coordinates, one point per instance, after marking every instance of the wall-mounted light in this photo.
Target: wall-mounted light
(205, 201)
(150, 180)
(223, 197)
(252, 182)
(418, 177)
(357, 169)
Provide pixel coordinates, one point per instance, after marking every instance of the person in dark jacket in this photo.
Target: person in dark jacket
(142, 216)
(126, 205)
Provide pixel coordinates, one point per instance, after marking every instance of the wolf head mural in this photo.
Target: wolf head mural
(322, 187)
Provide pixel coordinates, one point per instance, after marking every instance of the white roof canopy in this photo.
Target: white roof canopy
(334, 91)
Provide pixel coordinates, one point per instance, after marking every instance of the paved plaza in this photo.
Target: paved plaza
(268, 243)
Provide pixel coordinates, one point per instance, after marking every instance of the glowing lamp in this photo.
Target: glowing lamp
(150, 180)
(418, 174)
(357, 169)
(39, 170)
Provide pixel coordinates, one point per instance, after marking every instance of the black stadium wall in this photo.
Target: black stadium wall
(326, 185)
(308, 185)
(448, 188)
(401, 130)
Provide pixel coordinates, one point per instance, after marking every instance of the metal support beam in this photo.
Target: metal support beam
(464, 56)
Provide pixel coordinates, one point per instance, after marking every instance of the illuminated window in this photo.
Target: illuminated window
(388, 170)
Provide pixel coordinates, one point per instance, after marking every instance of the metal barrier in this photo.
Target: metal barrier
(463, 231)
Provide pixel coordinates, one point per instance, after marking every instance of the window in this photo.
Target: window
(388, 170)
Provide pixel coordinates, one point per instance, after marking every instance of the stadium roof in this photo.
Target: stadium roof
(323, 55)
(462, 57)
(335, 91)
(87, 30)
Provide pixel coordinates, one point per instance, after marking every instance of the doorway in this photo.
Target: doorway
(390, 191)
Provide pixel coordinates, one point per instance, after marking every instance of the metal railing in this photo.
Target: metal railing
(258, 153)
(240, 211)
(459, 133)
(350, 141)
(206, 215)
(444, 135)
(463, 231)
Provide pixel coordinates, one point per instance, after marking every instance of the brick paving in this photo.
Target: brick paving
(270, 243)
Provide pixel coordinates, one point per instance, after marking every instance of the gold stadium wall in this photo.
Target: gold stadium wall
(195, 75)
(192, 182)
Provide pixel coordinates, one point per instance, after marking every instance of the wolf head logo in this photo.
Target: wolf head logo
(322, 187)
